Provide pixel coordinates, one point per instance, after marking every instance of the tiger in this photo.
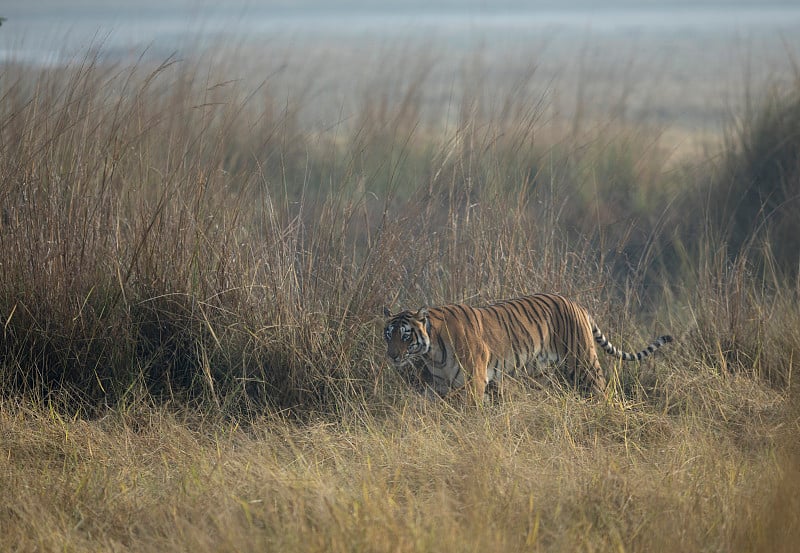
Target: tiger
(468, 348)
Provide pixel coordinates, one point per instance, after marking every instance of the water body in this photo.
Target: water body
(49, 32)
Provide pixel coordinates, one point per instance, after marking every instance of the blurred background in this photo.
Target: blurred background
(685, 63)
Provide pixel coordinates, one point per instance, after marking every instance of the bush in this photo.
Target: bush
(756, 197)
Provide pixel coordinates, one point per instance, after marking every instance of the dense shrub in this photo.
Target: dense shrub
(756, 196)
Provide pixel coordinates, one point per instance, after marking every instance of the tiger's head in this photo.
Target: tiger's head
(407, 335)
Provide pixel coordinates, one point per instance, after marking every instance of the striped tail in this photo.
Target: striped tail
(625, 356)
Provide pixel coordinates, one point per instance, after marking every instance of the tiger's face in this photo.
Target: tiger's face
(406, 336)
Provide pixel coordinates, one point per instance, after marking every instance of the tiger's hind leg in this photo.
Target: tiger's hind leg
(591, 379)
(586, 375)
(596, 379)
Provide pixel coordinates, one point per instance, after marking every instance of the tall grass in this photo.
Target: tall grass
(164, 233)
(757, 194)
(191, 285)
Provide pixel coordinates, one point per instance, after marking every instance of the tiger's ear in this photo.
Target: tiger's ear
(386, 312)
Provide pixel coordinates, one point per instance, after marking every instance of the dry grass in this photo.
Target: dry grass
(190, 290)
(544, 472)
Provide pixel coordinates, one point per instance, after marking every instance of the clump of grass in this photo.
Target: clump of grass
(757, 193)
(122, 244)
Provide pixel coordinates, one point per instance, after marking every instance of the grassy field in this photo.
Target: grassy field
(191, 284)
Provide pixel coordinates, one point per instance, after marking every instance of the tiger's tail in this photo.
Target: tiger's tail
(603, 342)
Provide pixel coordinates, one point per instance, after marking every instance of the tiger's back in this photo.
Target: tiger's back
(463, 345)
